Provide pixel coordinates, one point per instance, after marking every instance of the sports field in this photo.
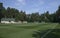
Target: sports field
(25, 30)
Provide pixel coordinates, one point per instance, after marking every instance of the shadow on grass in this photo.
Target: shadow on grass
(55, 33)
(1, 37)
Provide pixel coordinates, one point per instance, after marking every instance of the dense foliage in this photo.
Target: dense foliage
(34, 17)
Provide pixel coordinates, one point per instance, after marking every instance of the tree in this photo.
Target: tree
(1, 7)
(58, 15)
(35, 17)
(28, 17)
(8, 12)
(4, 12)
(47, 16)
(22, 16)
(13, 13)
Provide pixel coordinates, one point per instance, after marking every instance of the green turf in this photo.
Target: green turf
(23, 30)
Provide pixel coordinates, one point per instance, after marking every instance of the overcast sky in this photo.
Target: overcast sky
(31, 6)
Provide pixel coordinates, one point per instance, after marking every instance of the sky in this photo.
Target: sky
(31, 6)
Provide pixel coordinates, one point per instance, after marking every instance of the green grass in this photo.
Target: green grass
(23, 30)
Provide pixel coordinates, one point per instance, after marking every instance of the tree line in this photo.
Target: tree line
(34, 17)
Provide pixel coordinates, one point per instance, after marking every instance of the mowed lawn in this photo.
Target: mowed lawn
(24, 30)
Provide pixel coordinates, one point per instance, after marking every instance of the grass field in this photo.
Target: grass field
(24, 30)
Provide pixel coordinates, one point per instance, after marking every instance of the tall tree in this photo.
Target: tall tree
(4, 12)
(35, 17)
(1, 7)
(47, 16)
(58, 15)
(8, 12)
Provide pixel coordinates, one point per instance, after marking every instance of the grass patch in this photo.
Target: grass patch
(22, 30)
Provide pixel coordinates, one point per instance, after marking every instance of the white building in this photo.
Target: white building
(7, 20)
(24, 21)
